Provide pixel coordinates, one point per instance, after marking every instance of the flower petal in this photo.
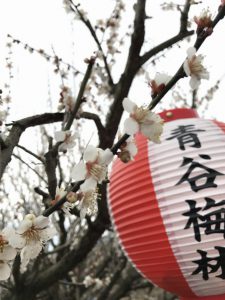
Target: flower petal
(47, 233)
(161, 78)
(194, 82)
(29, 252)
(60, 136)
(186, 68)
(14, 239)
(79, 171)
(17, 241)
(105, 157)
(131, 126)
(71, 144)
(205, 74)
(132, 148)
(89, 184)
(24, 226)
(129, 105)
(8, 253)
(190, 52)
(152, 132)
(90, 154)
(4, 271)
(41, 222)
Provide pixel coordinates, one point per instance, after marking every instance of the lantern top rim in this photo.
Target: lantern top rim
(178, 113)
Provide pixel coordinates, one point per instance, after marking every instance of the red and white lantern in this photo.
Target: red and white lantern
(168, 206)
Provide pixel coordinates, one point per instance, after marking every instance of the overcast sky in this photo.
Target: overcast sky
(44, 23)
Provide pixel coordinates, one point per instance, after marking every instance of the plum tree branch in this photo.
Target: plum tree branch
(18, 127)
(184, 16)
(168, 43)
(51, 157)
(180, 73)
(183, 33)
(80, 95)
(91, 116)
(132, 65)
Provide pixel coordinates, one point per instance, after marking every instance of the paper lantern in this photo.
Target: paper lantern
(168, 206)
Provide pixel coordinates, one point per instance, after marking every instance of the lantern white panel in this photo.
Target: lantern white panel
(188, 173)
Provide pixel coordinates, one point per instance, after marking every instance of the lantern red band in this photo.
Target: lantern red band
(176, 114)
(205, 298)
(137, 237)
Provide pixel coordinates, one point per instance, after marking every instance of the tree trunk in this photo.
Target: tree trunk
(18, 295)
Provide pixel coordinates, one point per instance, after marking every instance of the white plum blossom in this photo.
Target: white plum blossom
(128, 150)
(88, 204)
(158, 83)
(7, 253)
(68, 205)
(193, 67)
(30, 237)
(67, 6)
(67, 139)
(142, 120)
(204, 20)
(3, 115)
(88, 281)
(94, 168)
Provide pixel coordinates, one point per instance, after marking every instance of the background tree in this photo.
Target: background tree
(84, 260)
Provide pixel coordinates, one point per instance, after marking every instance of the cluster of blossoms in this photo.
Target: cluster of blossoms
(69, 204)
(193, 67)
(67, 139)
(88, 281)
(69, 8)
(7, 253)
(66, 100)
(114, 24)
(28, 240)
(168, 6)
(87, 202)
(92, 170)
(98, 79)
(172, 6)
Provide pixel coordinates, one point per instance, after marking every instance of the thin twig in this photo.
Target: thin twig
(80, 94)
(92, 31)
(58, 249)
(46, 55)
(19, 158)
(31, 153)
